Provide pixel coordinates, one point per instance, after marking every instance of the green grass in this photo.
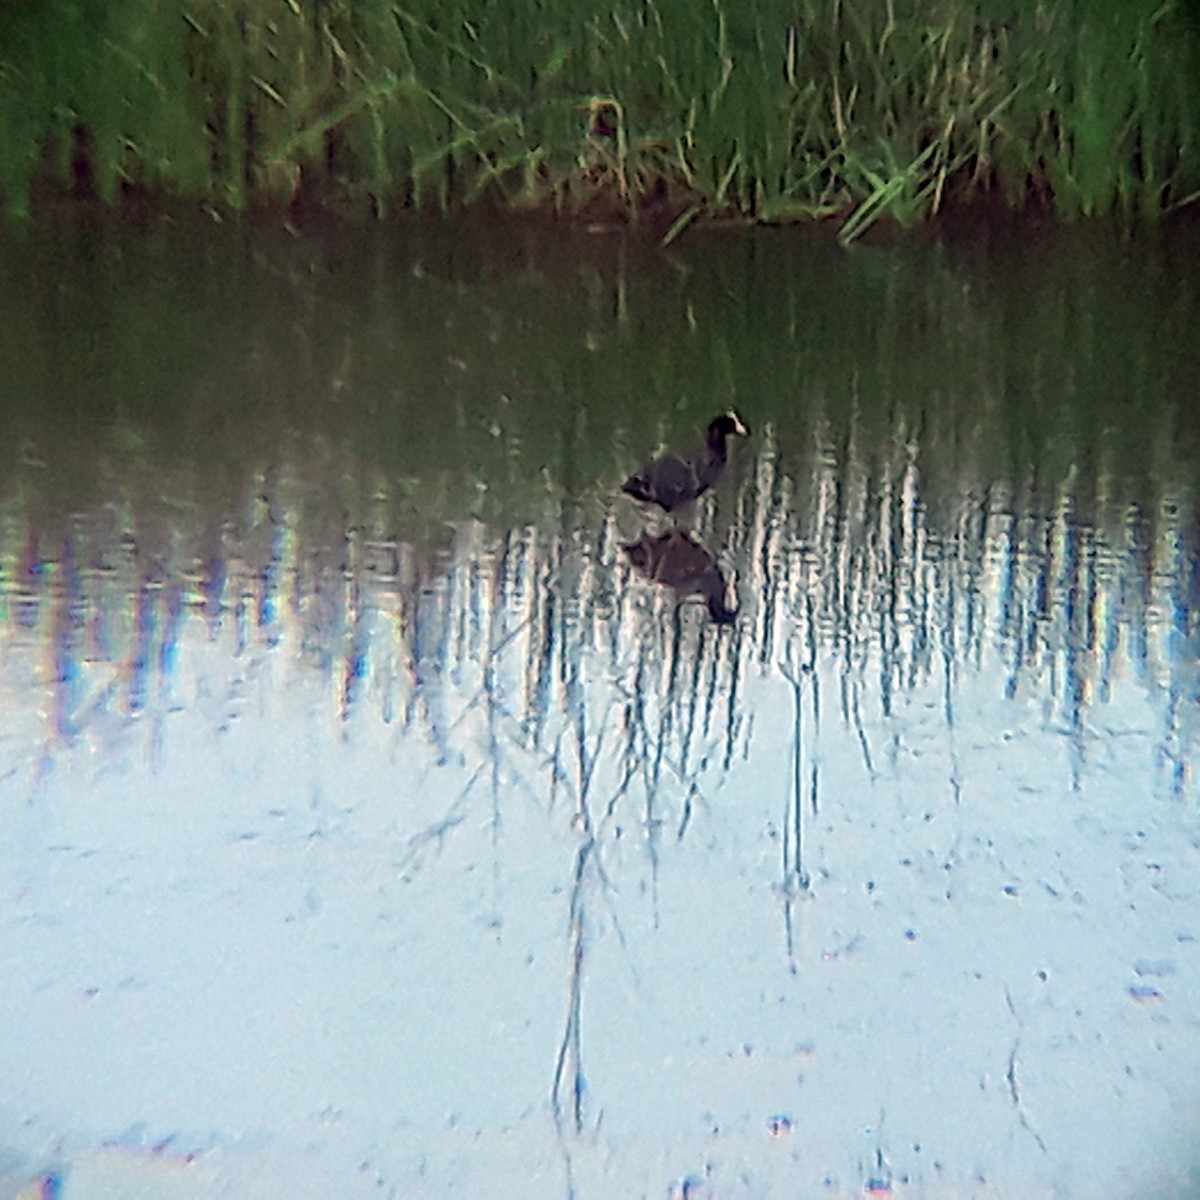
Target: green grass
(767, 110)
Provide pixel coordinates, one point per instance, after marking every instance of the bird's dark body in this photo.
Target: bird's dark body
(672, 482)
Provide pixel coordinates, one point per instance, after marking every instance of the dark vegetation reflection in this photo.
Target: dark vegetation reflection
(400, 467)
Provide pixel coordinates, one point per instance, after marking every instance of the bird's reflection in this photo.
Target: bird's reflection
(679, 561)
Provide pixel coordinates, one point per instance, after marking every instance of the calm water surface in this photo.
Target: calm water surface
(372, 828)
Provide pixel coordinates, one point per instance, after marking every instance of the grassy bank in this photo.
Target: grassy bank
(662, 110)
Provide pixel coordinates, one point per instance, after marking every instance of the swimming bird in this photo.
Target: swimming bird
(671, 482)
(677, 560)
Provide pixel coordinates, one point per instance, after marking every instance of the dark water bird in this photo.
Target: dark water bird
(677, 560)
(671, 482)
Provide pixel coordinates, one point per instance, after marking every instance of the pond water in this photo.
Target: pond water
(374, 828)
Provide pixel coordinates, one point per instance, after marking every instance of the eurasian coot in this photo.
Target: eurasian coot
(671, 482)
(679, 561)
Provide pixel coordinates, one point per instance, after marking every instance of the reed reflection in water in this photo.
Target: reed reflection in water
(101, 627)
